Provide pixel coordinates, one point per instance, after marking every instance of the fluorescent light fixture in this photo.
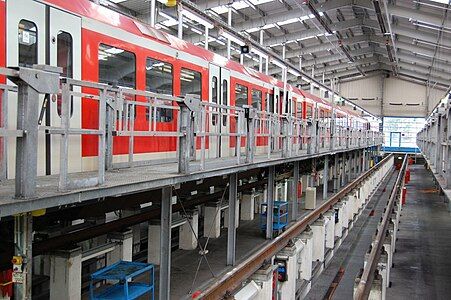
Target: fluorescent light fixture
(294, 72)
(289, 21)
(231, 37)
(117, 1)
(196, 30)
(196, 18)
(257, 2)
(165, 15)
(278, 63)
(258, 52)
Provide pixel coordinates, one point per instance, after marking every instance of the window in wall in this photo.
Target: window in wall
(257, 99)
(64, 50)
(401, 132)
(28, 43)
(240, 95)
(159, 79)
(191, 82)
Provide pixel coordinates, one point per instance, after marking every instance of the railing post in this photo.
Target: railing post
(110, 127)
(285, 136)
(250, 114)
(188, 109)
(31, 83)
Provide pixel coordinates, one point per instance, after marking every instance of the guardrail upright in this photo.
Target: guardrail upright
(31, 83)
(250, 115)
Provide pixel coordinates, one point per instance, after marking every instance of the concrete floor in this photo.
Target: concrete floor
(351, 253)
(422, 264)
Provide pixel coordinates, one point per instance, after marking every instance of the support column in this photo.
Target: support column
(23, 238)
(229, 42)
(264, 276)
(330, 228)
(153, 242)
(288, 288)
(165, 241)
(135, 228)
(206, 38)
(180, 22)
(326, 177)
(189, 231)
(247, 204)
(349, 163)
(260, 63)
(231, 230)
(65, 274)
(343, 170)
(212, 221)
(123, 250)
(307, 254)
(318, 228)
(336, 169)
(270, 202)
(294, 191)
(152, 13)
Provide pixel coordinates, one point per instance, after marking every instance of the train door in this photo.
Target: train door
(214, 123)
(276, 125)
(37, 34)
(219, 93)
(25, 40)
(64, 48)
(225, 122)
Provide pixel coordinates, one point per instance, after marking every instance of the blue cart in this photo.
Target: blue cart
(125, 288)
(280, 217)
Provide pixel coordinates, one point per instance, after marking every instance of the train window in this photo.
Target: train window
(159, 80)
(64, 53)
(309, 112)
(270, 102)
(225, 100)
(28, 43)
(117, 67)
(257, 99)
(240, 95)
(214, 90)
(191, 82)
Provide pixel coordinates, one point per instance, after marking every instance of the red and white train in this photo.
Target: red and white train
(93, 43)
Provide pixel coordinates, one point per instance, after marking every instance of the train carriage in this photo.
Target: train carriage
(92, 43)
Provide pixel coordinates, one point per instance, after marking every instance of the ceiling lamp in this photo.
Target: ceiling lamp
(171, 3)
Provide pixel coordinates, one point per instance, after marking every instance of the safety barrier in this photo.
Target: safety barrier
(115, 110)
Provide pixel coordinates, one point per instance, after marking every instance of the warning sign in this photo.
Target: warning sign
(17, 277)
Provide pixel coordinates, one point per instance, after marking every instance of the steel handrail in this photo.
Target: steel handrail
(232, 280)
(366, 280)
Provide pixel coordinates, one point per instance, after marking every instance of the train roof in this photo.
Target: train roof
(86, 8)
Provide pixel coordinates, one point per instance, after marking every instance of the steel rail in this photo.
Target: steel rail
(232, 280)
(366, 280)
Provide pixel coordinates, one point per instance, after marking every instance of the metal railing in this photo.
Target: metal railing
(198, 129)
(366, 279)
